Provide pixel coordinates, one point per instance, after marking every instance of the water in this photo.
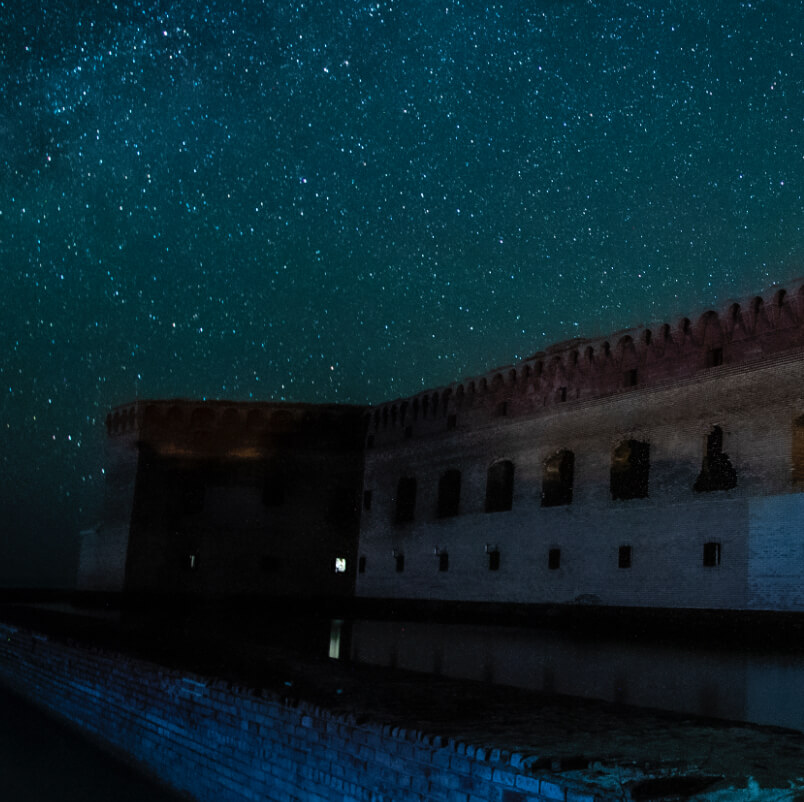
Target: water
(43, 760)
(740, 686)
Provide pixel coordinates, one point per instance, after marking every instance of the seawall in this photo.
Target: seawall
(214, 740)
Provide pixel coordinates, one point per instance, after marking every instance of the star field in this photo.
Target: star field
(348, 201)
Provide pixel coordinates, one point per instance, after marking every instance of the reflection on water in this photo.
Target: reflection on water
(764, 689)
(336, 629)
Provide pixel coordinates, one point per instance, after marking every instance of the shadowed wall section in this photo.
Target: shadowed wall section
(221, 499)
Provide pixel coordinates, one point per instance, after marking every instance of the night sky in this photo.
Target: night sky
(350, 201)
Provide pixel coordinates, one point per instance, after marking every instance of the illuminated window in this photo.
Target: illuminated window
(340, 565)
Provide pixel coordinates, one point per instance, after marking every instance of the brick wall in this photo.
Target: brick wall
(216, 741)
(755, 405)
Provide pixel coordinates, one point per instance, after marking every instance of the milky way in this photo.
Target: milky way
(349, 201)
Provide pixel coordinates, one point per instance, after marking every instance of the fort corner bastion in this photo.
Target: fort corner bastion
(659, 467)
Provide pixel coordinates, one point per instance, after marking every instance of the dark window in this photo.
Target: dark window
(408, 432)
(449, 493)
(192, 498)
(500, 486)
(562, 393)
(343, 509)
(797, 456)
(502, 409)
(630, 378)
(269, 564)
(190, 489)
(624, 557)
(443, 561)
(361, 564)
(273, 490)
(399, 562)
(367, 500)
(711, 554)
(452, 421)
(714, 357)
(717, 472)
(554, 559)
(557, 479)
(630, 466)
(494, 560)
(405, 499)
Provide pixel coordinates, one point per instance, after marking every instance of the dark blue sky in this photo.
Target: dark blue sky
(349, 201)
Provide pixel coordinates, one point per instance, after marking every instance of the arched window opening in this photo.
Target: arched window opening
(449, 493)
(630, 466)
(717, 472)
(557, 478)
(500, 486)
(405, 499)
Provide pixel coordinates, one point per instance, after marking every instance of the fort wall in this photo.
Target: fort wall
(226, 498)
(714, 411)
(216, 741)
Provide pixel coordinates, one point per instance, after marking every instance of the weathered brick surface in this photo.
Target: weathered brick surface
(217, 742)
(756, 404)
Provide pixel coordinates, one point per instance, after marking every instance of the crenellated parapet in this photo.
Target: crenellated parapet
(177, 427)
(583, 369)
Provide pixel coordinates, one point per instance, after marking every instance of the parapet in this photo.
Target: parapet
(175, 427)
(584, 369)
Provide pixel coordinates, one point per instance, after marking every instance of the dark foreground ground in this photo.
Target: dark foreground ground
(611, 745)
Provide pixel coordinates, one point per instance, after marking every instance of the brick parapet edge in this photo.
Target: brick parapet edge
(214, 740)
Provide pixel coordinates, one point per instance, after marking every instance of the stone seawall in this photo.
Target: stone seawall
(216, 741)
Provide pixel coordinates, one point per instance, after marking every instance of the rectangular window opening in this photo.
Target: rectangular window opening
(624, 557)
(630, 378)
(405, 499)
(554, 559)
(494, 560)
(714, 357)
(711, 554)
(399, 563)
(339, 567)
(443, 561)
